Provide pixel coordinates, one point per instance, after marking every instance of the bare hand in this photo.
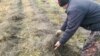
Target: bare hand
(57, 45)
(58, 33)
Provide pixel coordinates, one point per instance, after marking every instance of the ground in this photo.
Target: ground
(27, 28)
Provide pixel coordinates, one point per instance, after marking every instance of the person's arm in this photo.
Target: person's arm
(63, 28)
(75, 18)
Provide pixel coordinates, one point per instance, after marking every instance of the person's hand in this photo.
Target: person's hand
(58, 33)
(57, 45)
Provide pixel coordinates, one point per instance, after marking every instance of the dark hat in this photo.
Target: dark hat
(62, 2)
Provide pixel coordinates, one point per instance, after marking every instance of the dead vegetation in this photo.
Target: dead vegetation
(27, 28)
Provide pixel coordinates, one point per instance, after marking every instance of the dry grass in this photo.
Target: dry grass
(27, 28)
(4, 7)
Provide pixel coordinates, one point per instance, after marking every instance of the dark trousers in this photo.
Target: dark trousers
(92, 45)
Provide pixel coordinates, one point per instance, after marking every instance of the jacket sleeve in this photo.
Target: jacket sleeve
(63, 28)
(75, 18)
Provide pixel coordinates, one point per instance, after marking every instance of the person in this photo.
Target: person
(81, 13)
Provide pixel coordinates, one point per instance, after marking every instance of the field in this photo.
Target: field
(27, 28)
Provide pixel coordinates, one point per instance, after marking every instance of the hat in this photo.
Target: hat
(62, 2)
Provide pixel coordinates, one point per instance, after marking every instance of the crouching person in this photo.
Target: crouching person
(81, 13)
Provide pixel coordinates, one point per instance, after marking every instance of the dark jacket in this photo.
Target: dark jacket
(81, 13)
